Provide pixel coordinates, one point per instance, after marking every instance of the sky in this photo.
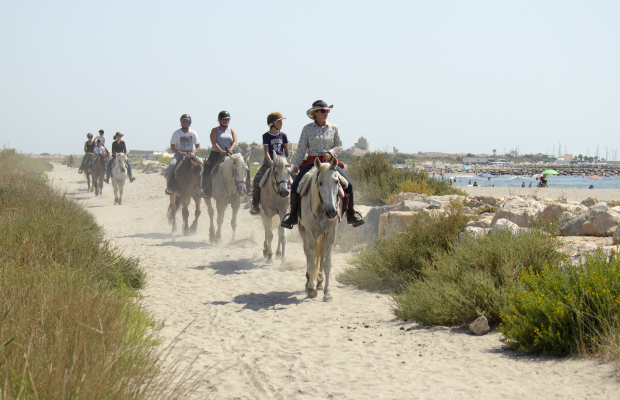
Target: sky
(448, 76)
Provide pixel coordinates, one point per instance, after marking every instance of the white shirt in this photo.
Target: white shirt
(98, 150)
(102, 139)
(184, 141)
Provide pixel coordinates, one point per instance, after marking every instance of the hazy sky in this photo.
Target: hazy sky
(450, 76)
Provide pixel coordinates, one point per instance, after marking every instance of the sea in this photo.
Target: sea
(554, 181)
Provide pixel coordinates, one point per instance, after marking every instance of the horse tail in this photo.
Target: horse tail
(171, 213)
(319, 253)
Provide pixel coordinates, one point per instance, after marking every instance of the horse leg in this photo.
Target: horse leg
(235, 209)
(281, 237)
(173, 212)
(115, 188)
(327, 265)
(267, 253)
(185, 200)
(221, 209)
(194, 226)
(121, 186)
(210, 212)
(310, 269)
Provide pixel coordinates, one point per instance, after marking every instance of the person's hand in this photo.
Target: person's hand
(270, 163)
(223, 152)
(295, 170)
(327, 157)
(230, 151)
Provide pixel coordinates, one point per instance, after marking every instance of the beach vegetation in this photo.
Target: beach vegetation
(474, 278)
(71, 321)
(376, 180)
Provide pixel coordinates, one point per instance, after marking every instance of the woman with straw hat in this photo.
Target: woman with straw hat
(320, 139)
(118, 146)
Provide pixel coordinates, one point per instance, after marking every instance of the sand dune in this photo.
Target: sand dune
(256, 336)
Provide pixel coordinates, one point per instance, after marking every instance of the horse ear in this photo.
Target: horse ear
(317, 162)
(273, 155)
(334, 163)
(247, 156)
(288, 159)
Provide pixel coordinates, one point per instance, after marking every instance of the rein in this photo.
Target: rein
(275, 183)
(321, 197)
(234, 178)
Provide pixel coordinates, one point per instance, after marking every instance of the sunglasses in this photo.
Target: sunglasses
(323, 111)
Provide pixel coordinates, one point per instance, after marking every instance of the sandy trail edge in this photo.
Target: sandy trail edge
(256, 335)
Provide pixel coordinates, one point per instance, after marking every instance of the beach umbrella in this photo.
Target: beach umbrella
(466, 168)
(536, 176)
(550, 172)
(486, 175)
(594, 177)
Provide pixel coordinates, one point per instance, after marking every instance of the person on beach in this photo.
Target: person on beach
(530, 184)
(523, 184)
(223, 142)
(274, 140)
(475, 183)
(184, 142)
(89, 148)
(118, 146)
(320, 139)
(71, 160)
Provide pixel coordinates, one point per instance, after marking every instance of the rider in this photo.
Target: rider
(223, 141)
(118, 146)
(99, 149)
(89, 147)
(182, 144)
(102, 138)
(273, 140)
(320, 139)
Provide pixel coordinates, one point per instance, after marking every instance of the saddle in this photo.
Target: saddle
(215, 167)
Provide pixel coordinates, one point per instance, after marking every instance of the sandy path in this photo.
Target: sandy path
(256, 336)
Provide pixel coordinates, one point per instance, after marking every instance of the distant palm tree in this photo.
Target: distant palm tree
(494, 151)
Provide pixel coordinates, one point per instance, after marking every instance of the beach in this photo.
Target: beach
(246, 327)
(548, 193)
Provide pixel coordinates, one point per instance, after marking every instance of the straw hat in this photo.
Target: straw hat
(318, 105)
(117, 134)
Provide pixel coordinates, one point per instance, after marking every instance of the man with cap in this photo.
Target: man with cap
(320, 139)
(184, 142)
(89, 148)
(273, 141)
(118, 146)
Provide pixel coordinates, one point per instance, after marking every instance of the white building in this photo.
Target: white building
(151, 155)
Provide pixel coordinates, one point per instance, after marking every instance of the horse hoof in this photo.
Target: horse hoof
(319, 286)
(278, 253)
(328, 298)
(312, 293)
(265, 253)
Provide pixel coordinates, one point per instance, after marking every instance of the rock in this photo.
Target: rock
(616, 209)
(601, 206)
(395, 221)
(399, 198)
(559, 212)
(410, 205)
(522, 211)
(490, 200)
(506, 224)
(616, 236)
(433, 204)
(589, 202)
(480, 326)
(370, 229)
(591, 223)
(484, 222)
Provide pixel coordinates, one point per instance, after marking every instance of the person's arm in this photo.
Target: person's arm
(286, 153)
(266, 151)
(85, 147)
(234, 143)
(196, 150)
(213, 138)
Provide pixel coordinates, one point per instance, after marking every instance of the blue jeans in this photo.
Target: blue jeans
(173, 164)
(307, 168)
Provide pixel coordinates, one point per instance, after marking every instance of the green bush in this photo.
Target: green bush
(375, 178)
(474, 278)
(391, 261)
(566, 309)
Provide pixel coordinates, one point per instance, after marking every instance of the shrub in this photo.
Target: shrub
(390, 261)
(420, 186)
(165, 160)
(473, 278)
(375, 178)
(565, 309)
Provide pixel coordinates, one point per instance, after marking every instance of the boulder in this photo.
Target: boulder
(484, 222)
(409, 196)
(410, 205)
(559, 212)
(370, 229)
(616, 209)
(490, 200)
(616, 235)
(471, 231)
(521, 210)
(601, 206)
(589, 202)
(505, 224)
(480, 326)
(591, 223)
(395, 221)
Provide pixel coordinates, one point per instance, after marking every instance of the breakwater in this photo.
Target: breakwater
(530, 169)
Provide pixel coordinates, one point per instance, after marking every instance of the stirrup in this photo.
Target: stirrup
(254, 210)
(286, 224)
(169, 193)
(356, 221)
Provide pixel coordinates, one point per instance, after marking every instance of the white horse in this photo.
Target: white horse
(119, 176)
(275, 186)
(228, 188)
(322, 193)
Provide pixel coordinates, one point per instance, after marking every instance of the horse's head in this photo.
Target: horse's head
(282, 175)
(330, 186)
(195, 169)
(235, 167)
(121, 159)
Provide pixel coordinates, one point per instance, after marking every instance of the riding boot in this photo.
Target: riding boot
(255, 209)
(352, 215)
(292, 218)
(206, 185)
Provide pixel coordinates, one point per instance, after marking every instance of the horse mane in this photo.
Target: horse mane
(302, 189)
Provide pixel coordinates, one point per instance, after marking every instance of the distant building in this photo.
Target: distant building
(567, 157)
(395, 150)
(475, 160)
(359, 149)
(292, 147)
(152, 155)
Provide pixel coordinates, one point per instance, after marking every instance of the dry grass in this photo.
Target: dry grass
(71, 324)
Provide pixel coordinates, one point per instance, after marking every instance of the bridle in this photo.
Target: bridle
(321, 197)
(275, 183)
(237, 181)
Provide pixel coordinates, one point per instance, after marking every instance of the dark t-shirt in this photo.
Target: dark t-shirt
(118, 147)
(89, 147)
(275, 142)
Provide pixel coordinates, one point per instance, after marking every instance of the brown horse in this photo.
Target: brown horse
(100, 163)
(187, 188)
(87, 171)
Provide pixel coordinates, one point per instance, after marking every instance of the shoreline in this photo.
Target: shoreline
(548, 193)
